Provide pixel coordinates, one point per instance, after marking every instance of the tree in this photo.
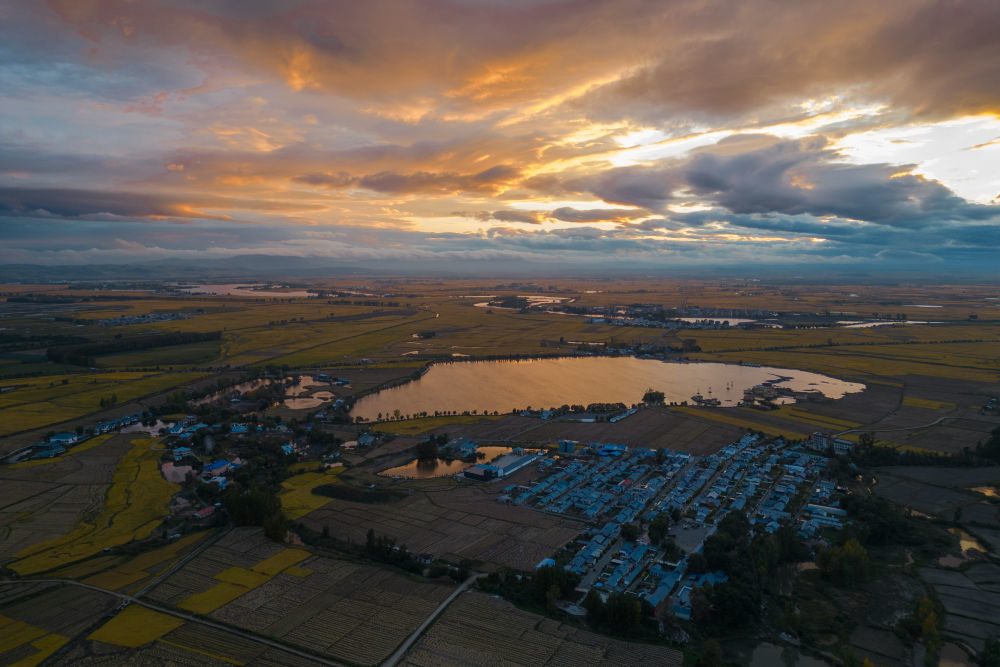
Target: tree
(428, 449)
(630, 532)
(653, 397)
(847, 565)
(711, 654)
(991, 653)
(551, 599)
(659, 528)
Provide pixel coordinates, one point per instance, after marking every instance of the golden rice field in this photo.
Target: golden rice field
(134, 626)
(143, 566)
(135, 505)
(297, 498)
(15, 634)
(237, 581)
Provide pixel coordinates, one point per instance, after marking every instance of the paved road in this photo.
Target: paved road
(903, 428)
(401, 651)
(187, 617)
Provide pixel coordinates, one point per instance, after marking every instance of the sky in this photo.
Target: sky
(577, 134)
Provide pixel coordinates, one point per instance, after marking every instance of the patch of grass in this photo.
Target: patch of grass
(134, 626)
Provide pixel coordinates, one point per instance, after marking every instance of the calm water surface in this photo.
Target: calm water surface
(417, 469)
(544, 383)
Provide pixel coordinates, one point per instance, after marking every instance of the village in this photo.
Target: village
(615, 488)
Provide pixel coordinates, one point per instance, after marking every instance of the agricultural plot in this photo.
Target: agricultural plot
(452, 523)
(425, 425)
(478, 629)
(48, 401)
(43, 502)
(972, 611)
(135, 505)
(658, 427)
(131, 574)
(297, 498)
(347, 611)
(921, 496)
(37, 620)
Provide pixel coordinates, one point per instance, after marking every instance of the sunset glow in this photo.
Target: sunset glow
(569, 133)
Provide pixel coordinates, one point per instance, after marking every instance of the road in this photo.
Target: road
(187, 617)
(401, 651)
(184, 561)
(871, 429)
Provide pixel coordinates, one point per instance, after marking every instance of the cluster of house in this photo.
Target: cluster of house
(112, 425)
(144, 319)
(177, 471)
(503, 466)
(762, 480)
(589, 489)
(820, 442)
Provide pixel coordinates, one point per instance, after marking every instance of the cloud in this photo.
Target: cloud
(391, 182)
(570, 214)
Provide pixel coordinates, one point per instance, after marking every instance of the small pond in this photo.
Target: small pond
(418, 469)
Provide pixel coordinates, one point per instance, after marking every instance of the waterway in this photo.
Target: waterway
(427, 469)
(504, 386)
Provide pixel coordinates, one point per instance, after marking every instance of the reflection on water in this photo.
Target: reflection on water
(990, 491)
(543, 383)
(418, 469)
(298, 391)
(968, 545)
(306, 402)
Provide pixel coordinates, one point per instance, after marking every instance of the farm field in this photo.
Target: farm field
(297, 498)
(135, 504)
(321, 333)
(454, 521)
(36, 620)
(347, 611)
(483, 630)
(654, 427)
(41, 503)
(970, 600)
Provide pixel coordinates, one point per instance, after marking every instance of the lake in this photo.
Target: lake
(545, 383)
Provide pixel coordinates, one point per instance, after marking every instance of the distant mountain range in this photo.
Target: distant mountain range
(239, 268)
(250, 268)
